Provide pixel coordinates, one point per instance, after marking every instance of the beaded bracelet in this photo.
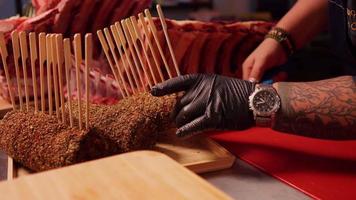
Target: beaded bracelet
(283, 37)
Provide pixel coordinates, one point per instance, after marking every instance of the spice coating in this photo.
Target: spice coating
(133, 123)
(39, 142)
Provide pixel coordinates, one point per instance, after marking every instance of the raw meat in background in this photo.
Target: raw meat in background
(200, 47)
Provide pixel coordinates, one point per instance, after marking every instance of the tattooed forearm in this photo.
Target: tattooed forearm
(322, 109)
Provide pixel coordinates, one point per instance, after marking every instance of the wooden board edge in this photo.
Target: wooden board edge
(198, 179)
(225, 162)
(200, 168)
(220, 149)
(10, 169)
(18, 171)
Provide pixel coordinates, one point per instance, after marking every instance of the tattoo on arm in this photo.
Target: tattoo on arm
(322, 109)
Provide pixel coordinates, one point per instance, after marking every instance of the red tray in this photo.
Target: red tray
(323, 169)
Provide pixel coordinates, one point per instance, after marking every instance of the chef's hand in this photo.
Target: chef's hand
(210, 102)
(267, 55)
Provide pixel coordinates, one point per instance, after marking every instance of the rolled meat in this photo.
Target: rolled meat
(40, 143)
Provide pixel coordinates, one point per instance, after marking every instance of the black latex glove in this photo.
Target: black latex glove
(210, 102)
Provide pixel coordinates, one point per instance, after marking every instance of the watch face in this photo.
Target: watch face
(265, 101)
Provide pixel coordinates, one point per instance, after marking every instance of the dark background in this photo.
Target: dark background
(183, 9)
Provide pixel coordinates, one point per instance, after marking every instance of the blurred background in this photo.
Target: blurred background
(205, 10)
(317, 54)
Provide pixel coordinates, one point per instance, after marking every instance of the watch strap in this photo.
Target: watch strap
(264, 121)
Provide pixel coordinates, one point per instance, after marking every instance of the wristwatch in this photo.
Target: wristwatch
(264, 102)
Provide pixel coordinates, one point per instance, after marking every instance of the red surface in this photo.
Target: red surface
(323, 169)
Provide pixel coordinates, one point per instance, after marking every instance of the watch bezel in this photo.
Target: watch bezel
(276, 105)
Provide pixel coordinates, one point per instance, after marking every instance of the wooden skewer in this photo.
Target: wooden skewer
(119, 45)
(128, 52)
(132, 53)
(116, 59)
(155, 36)
(123, 42)
(68, 65)
(132, 40)
(49, 73)
(153, 52)
(34, 57)
(4, 55)
(60, 62)
(165, 31)
(105, 47)
(24, 57)
(134, 30)
(126, 68)
(55, 74)
(43, 58)
(78, 61)
(16, 53)
(88, 61)
(10, 168)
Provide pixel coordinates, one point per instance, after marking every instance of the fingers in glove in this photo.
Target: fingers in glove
(177, 84)
(208, 121)
(189, 112)
(193, 127)
(185, 100)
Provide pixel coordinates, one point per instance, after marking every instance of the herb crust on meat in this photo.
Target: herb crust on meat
(40, 143)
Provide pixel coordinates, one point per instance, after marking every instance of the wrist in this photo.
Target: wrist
(282, 37)
(280, 55)
(242, 115)
(275, 86)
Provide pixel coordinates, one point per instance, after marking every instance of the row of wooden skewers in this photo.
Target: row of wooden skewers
(54, 53)
(125, 40)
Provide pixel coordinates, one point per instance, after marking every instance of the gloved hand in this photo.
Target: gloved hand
(210, 102)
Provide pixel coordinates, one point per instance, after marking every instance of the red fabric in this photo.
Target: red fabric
(323, 169)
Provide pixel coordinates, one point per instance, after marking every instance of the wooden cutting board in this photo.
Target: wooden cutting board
(137, 175)
(200, 154)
